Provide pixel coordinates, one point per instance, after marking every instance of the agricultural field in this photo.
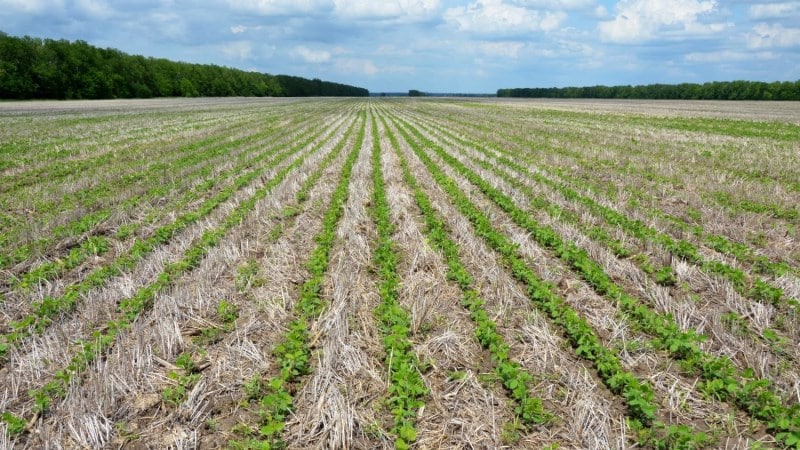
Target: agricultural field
(398, 273)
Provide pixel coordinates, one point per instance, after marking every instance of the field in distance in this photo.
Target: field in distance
(399, 273)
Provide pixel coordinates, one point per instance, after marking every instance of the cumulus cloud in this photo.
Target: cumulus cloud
(644, 20)
(392, 50)
(397, 10)
(240, 29)
(392, 10)
(438, 44)
(92, 9)
(96, 9)
(281, 7)
(728, 56)
(495, 17)
(239, 50)
(558, 4)
(509, 49)
(356, 65)
(774, 10)
(32, 6)
(169, 25)
(766, 35)
(311, 56)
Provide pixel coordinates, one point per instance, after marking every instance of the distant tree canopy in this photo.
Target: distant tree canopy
(717, 90)
(32, 68)
(415, 93)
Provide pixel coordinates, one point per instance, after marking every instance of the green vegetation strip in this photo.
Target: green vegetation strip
(662, 275)
(721, 378)
(517, 382)
(407, 388)
(293, 353)
(97, 245)
(188, 372)
(185, 374)
(741, 252)
(60, 139)
(638, 395)
(142, 300)
(85, 198)
(94, 245)
(198, 152)
(752, 287)
(59, 169)
(45, 311)
(245, 161)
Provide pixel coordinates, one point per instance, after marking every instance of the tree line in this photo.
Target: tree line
(717, 90)
(33, 68)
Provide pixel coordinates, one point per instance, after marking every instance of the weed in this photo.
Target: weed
(248, 276)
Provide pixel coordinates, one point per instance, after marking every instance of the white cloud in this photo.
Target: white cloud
(357, 66)
(601, 12)
(169, 25)
(392, 50)
(97, 9)
(311, 56)
(240, 50)
(573, 47)
(239, 29)
(728, 56)
(504, 49)
(551, 21)
(558, 4)
(32, 6)
(767, 36)
(397, 10)
(282, 7)
(362, 66)
(774, 10)
(495, 17)
(644, 20)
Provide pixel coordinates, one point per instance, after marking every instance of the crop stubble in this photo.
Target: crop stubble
(189, 369)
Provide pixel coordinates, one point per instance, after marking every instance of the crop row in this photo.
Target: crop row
(720, 243)
(406, 388)
(517, 381)
(639, 395)
(186, 373)
(47, 210)
(129, 309)
(245, 148)
(721, 379)
(750, 286)
(408, 283)
(50, 307)
(55, 139)
(661, 274)
(293, 353)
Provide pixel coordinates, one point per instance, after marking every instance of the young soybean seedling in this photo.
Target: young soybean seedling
(227, 312)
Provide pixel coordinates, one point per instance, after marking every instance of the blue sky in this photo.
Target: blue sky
(442, 45)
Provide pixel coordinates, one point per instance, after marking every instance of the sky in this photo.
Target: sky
(468, 46)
